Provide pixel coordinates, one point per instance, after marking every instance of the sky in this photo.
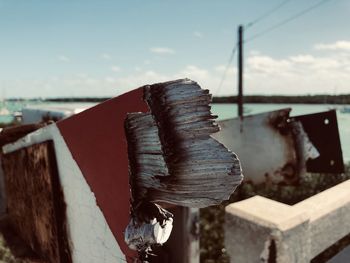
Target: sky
(97, 48)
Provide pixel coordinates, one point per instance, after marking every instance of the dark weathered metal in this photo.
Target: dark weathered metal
(322, 129)
(174, 159)
(240, 71)
(277, 148)
(172, 156)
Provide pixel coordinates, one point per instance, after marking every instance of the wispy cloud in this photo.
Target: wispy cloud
(115, 68)
(337, 46)
(162, 50)
(300, 73)
(109, 79)
(106, 56)
(63, 58)
(198, 34)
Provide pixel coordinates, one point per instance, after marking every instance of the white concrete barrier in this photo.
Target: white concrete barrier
(262, 230)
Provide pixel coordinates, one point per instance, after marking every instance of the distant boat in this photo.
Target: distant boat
(3, 109)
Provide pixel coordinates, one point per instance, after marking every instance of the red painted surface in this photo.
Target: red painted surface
(97, 142)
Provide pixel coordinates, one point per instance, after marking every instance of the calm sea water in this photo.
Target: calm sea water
(226, 111)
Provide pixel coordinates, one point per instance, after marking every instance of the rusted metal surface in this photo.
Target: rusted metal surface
(322, 129)
(271, 147)
(173, 158)
(35, 205)
(274, 147)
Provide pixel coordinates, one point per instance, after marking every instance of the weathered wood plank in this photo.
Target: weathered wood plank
(35, 203)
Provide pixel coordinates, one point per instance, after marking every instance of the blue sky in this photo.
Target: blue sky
(104, 47)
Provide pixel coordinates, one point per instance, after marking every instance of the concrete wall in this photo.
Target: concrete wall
(262, 230)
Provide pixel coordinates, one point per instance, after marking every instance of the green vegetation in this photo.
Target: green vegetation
(212, 218)
(5, 253)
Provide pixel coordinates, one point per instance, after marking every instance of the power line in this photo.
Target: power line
(285, 21)
(233, 52)
(266, 14)
(271, 28)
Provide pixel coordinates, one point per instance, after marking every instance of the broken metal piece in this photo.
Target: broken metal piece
(276, 148)
(202, 171)
(272, 147)
(304, 148)
(143, 232)
(147, 212)
(146, 160)
(174, 159)
(322, 129)
(172, 156)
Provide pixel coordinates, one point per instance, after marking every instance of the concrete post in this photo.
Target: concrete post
(262, 230)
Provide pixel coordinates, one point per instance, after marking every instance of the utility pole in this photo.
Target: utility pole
(240, 72)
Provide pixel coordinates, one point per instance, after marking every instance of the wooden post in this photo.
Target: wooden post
(240, 71)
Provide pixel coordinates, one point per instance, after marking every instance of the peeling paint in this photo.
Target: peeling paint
(272, 147)
(269, 253)
(174, 159)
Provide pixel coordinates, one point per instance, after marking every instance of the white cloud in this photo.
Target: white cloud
(110, 79)
(254, 52)
(337, 46)
(298, 74)
(106, 56)
(63, 58)
(162, 50)
(263, 74)
(302, 59)
(115, 68)
(268, 65)
(193, 72)
(198, 34)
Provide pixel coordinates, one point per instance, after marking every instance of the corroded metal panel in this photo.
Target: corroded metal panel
(264, 144)
(172, 156)
(174, 159)
(322, 129)
(35, 203)
(274, 147)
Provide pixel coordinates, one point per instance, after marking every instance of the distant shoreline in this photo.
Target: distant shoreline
(304, 99)
(308, 99)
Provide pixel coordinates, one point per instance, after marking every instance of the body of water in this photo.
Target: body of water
(226, 111)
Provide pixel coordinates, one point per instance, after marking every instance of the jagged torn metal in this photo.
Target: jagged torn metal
(172, 156)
